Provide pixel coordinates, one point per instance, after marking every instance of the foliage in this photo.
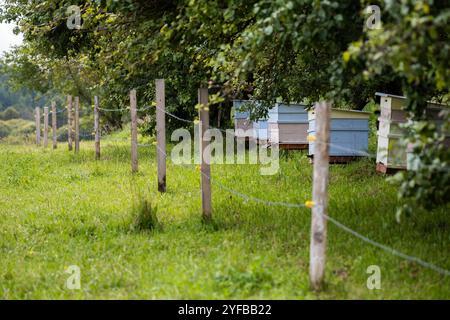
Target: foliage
(414, 43)
(21, 99)
(4, 130)
(428, 181)
(294, 50)
(17, 128)
(9, 113)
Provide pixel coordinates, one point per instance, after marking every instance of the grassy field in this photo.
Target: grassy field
(59, 209)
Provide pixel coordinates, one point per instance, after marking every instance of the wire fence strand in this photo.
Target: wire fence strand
(335, 222)
(123, 110)
(338, 224)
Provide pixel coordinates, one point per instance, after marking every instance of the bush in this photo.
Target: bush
(21, 127)
(9, 113)
(18, 128)
(62, 134)
(86, 130)
(145, 218)
(427, 184)
(5, 130)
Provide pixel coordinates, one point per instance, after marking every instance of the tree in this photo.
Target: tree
(296, 50)
(414, 43)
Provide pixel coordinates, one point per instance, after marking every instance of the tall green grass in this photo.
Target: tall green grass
(59, 209)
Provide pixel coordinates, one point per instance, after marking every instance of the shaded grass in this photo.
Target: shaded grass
(59, 209)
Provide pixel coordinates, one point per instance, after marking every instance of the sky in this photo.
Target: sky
(7, 37)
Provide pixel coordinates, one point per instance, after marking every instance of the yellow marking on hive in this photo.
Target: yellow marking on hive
(311, 138)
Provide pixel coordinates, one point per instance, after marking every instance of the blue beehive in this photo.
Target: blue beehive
(288, 126)
(240, 110)
(241, 118)
(349, 133)
(242, 121)
(261, 128)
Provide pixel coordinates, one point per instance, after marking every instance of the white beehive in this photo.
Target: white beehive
(392, 151)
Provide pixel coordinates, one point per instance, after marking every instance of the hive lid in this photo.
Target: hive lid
(381, 94)
(431, 104)
(288, 108)
(343, 114)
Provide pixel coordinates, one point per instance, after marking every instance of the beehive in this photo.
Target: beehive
(349, 134)
(392, 152)
(288, 126)
(241, 118)
(260, 130)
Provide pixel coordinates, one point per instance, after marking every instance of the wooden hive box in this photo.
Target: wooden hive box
(349, 134)
(241, 118)
(288, 126)
(259, 128)
(392, 152)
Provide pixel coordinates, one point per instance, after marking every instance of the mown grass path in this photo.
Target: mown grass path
(59, 209)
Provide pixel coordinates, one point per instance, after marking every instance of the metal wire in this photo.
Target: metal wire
(57, 111)
(340, 225)
(359, 152)
(123, 110)
(388, 249)
(174, 116)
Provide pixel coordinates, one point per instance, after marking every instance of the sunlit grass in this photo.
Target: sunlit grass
(59, 209)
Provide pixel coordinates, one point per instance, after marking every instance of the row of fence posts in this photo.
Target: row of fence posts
(320, 171)
(161, 142)
(73, 132)
(46, 125)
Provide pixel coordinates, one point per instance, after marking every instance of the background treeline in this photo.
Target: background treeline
(15, 103)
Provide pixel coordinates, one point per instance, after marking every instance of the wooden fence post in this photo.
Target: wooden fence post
(45, 127)
(37, 116)
(134, 146)
(77, 124)
(204, 158)
(320, 196)
(54, 124)
(69, 122)
(161, 133)
(96, 128)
